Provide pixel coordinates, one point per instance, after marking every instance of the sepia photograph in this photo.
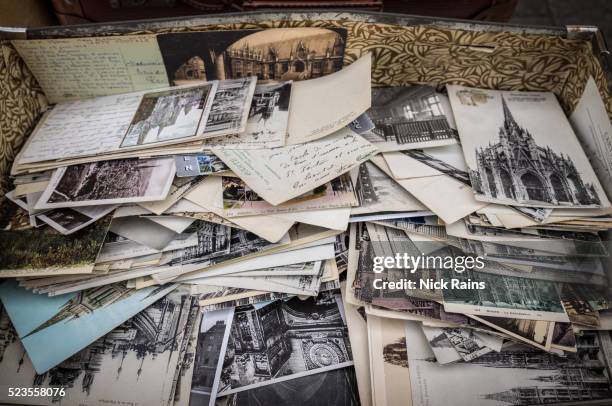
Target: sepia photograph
(230, 108)
(109, 182)
(274, 54)
(240, 200)
(520, 157)
(169, 115)
(284, 340)
(210, 349)
(408, 117)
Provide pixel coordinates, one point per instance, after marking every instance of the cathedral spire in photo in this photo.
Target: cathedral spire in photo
(517, 168)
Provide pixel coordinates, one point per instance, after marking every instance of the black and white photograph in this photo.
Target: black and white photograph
(268, 118)
(69, 220)
(442, 348)
(337, 387)
(521, 150)
(137, 359)
(504, 296)
(377, 192)
(284, 340)
(200, 164)
(272, 54)
(269, 111)
(169, 115)
(408, 117)
(209, 356)
(515, 375)
(230, 108)
(109, 182)
(467, 344)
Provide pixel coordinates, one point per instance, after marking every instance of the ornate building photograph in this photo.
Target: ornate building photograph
(297, 54)
(284, 338)
(518, 169)
(408, 117)
(132, 356)
(167, 115)
(274, 54)
(209, 351)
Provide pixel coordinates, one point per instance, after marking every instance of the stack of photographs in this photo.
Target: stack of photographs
(245, 220)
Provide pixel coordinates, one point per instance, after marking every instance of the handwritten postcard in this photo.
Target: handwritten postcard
(280, 174)
(78, 68)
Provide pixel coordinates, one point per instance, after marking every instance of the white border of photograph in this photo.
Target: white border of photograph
(164, 171)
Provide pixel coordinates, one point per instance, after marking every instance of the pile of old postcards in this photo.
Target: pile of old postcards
(184, 233)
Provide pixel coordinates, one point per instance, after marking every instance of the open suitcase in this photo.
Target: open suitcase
(406, 50)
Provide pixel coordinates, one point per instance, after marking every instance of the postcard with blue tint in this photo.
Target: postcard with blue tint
(28, 310)
(80, 321)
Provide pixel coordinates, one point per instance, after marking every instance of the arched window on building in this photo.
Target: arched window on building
(507, 186)
(560, 192)
(534, 187)
(491, 181)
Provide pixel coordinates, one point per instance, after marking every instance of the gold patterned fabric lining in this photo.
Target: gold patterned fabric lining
(402, 55)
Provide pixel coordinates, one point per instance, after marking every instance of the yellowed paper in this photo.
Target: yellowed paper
(324, 105)
(75, 68)
(281, 174)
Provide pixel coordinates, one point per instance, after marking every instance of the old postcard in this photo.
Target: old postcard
(408, 117)
(46, 252)
(103, 361)
(305, 285)
(119, 124)
(209, 356)
(468, 345)
(591, 123)
(377, 192)
(230, 108)
(209, 192)
(276, 353)
(548, 168)
(358, 335)
(441, 346)
(418, 163)
(171, 114)
(267, 121)
(273, 54)
(496, 376)
(298, 169)
(70, 220)
(336, 387)
(240, 200)
(322, 106)
(389, 368)
(79, 322)
(200, 164)
(109, 182)
(79, 68)
(529, 299)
